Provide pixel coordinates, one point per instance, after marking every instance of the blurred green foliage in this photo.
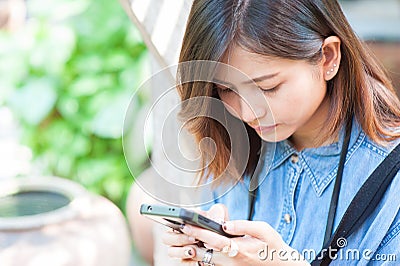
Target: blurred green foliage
(69, 75)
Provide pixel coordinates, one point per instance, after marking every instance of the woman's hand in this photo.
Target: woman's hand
(260, 245)
(184, 246)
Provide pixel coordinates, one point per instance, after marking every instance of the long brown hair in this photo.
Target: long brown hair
(294, 30)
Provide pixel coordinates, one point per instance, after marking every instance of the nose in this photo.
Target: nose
(251, 111)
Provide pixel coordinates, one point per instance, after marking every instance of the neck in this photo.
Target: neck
(312, 133)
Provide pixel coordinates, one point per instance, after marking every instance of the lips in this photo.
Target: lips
(264, 129)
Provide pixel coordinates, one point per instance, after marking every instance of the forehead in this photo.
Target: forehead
(240, 65)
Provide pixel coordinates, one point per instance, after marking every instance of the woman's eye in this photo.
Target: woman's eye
(224, 89)
(270, 90)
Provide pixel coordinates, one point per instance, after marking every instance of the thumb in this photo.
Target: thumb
(257, 229)
(218, 213)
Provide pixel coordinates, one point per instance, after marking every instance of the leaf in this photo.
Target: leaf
(56, 10)
(114, 188)
(34, 101)
(5, 90)
(88, 63)
(85, 85)
(117, 60)
(108, 123)
(13, 64)
(53, 48)
(68, 106)
(131, 78)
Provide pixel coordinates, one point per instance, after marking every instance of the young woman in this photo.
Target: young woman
(315, 97)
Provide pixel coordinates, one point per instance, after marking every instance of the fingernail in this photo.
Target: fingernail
(188, 253)
(192, 239)
(186, 229)
(228, 226)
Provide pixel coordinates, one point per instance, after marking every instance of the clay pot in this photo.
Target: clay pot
(54, 221)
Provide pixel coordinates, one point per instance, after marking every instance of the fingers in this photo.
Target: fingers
(198, 210)
(239, 251)
(188, 252)
(200, 252)
(194, 253)
(177, 239)
(212, 239)
(218, 213)
(257, 229)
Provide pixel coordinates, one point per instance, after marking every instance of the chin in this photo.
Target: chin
(271, 138)
(274, 137)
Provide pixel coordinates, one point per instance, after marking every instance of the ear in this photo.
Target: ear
(331, 57)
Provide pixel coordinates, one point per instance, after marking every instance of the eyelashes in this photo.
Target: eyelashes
(269, 91)
(227, 90)
(220, 90)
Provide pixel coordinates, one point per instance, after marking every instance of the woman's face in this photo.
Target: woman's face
(279, 98)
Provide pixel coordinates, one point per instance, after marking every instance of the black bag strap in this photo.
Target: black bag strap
(362, 205)
(338, 182)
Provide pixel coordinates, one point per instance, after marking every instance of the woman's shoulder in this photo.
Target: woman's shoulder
(365, 155)
(381, 150)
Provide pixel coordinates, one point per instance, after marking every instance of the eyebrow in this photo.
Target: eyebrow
(258, 79)
(262, 78)
(223, 83)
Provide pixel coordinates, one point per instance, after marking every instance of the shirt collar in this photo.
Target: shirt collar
(320, 164)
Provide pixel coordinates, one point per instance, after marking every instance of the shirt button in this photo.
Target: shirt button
(294, 158)
(287, 218)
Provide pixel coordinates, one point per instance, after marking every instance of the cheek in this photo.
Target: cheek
(299, 98)
(231, 104)
(287, 100)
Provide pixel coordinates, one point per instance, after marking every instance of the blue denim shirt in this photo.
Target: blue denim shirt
(295, 195)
